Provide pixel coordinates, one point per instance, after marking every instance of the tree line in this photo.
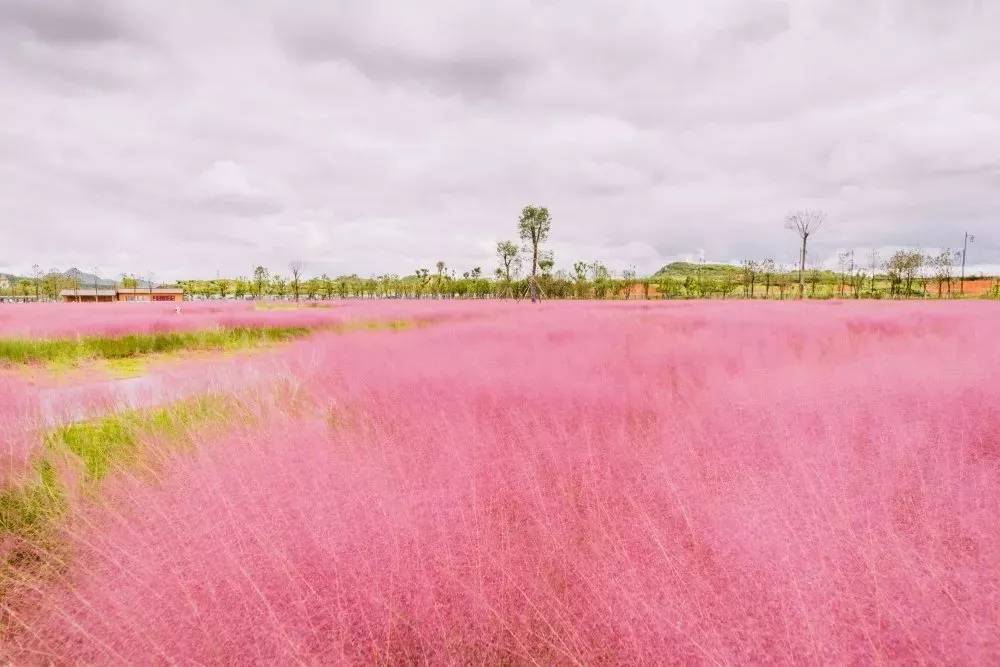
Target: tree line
(525, 268)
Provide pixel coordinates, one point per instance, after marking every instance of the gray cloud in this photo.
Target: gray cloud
(378, 137)
(351, 39)
(64, 21)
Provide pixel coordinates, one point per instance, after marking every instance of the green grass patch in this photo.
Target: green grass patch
(59, 353)
(29, 509)
(29, 548)
(99, 446)
(130, 367)
(113, 441)
(265, 305)
(122, 355)
(375, 325)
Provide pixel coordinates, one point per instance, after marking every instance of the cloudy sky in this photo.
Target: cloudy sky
(185, 138)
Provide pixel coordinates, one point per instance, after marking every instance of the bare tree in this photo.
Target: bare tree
(36, 274)
(805, 223)
(874, 260)
(845, 267)
(295, 266)
(969, 238)
(943, 264)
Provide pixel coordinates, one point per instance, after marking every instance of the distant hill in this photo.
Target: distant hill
(88, 279)
(84, 279)
(681, 270)
(685, 269)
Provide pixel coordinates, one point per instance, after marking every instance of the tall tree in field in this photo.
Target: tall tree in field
(439, 283)
(767, 269)
(36, 274)
(295, 266)
(546, 262)
(580, 270)
(534, 227)
(805, 223)
(260, 280)
(628, 281)
(903, 267)
(750, 269)
(874, 261)
(510, 261)
(943, 263)
(279, 286)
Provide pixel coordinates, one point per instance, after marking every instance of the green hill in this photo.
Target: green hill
(707, 271)
(681, 270)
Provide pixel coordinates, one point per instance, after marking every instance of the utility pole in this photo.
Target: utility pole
(969, 238)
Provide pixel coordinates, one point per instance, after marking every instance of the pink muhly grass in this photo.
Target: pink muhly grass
(55, 320)
(19, 421)
(574, 484)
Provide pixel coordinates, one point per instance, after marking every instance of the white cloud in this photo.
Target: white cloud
(373, 136)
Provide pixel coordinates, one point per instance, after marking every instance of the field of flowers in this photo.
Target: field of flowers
(484, 482)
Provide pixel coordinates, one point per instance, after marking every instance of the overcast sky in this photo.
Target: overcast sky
(190, 137)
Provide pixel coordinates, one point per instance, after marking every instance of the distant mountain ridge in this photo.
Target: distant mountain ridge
(88, 279)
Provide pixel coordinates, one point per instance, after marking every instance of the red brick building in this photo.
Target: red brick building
(122, 294)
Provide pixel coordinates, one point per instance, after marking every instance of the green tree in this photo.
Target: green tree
(749, 273)
(943, 265)
(628, 281)
(601, 279)
(903, 267)
(36, 275)
(534, 227)
(439, 282)
(260, 280)
(580, 270)
(279, 286)
(767, 269)
(510, 263)
(326, 286)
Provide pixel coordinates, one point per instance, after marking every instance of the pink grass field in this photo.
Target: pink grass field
(572, 483)
(61, 320)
